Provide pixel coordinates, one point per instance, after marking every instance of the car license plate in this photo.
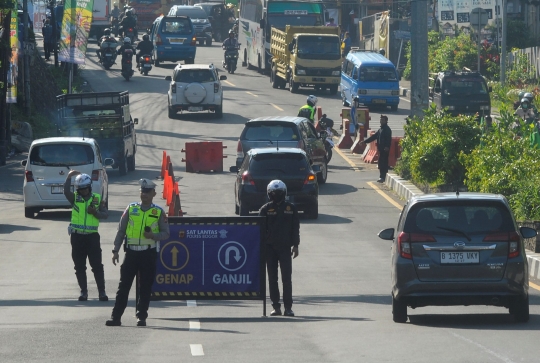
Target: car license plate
(319, 79)
(460, 257)
(59, 190)
(147, 65)
(376, 100)
(192, 109)
(108, 55)
(177, 40)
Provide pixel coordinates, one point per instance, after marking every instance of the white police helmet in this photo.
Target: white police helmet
(312, 100)
(83, 181)
(277, 190)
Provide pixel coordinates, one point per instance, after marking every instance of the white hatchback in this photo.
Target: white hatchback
(50, 160)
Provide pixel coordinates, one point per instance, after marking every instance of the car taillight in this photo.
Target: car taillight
(512, 238)
(310, 179)
(246, 179)
(405, 239)
(29, 176)
(130, 29)
(95, 175)
(239, 150)
(173, 87)
(193, 41)
(300, 144)
(158, 40)
(216, 87)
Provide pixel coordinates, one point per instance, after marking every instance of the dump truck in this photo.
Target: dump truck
(306, 56)
(105, 117)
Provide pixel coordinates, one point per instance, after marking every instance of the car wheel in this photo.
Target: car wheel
(321, 177)
(313, 212)
(520, 309)
(243, 209)
(208, 42)
(131, 162)
(29, 212)
(259, 65)
(245, 62)
(329, 154)
(172, 113)
(293, 87)
(123, 166)
(399, 311)
(393, 107)
(274, 79)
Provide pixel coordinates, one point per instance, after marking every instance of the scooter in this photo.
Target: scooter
(108, 54)
(231, 58)
(130, 33)
(145, 64)
(326, 125)
(127, 64)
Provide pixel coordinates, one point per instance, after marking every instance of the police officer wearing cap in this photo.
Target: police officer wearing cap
(142, 226)
(282, 240)
(88, 209)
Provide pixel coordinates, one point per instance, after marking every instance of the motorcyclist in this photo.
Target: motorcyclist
(144, 47)
(229, 44)
(530, 97)
(122, 50)
(115, 14)
(382, 52)
(107, 38)
(308, 110)
(126, 23)
(526, 112)
(518, 102)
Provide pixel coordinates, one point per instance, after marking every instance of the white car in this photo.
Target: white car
(50, 160)
(195, 87)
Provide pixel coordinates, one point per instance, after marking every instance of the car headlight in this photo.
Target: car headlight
(336, 73)
(301, 72)
(485, 108)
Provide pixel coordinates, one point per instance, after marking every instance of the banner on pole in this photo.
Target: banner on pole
(75, 29)
(13, 71)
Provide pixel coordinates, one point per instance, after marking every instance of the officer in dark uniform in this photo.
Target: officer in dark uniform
(282, 234)
(88, 209)
(384, 141)
(142, 226)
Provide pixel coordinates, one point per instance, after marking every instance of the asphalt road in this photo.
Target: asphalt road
(341, 280)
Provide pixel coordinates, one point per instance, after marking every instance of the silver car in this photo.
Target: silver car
(458, 249)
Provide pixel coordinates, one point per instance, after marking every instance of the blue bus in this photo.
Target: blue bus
(371, 77)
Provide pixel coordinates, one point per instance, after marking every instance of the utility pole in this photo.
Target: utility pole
(26, 63)
(419, 58)
(52, 5)
(5, 52)
(503, 43)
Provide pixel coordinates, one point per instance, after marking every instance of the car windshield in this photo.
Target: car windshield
(461, 87)
(270, 164)
(195, 75)
(197, 13)
(206, 7)
(177, 26)
(276, 131)
(451, 218)
(378, 74)
(318, 47)
(62, 155)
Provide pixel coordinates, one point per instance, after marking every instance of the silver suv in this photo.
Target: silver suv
(195, 87)
(459, 249)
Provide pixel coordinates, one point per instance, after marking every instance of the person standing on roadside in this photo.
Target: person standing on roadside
(142, 225)
(48, 41)
(384, 141)
(282, 240)
(88, 209)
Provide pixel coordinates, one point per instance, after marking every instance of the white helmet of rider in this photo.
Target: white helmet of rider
(83, 181)
(312, 100)
(127, 40)
(277, 190)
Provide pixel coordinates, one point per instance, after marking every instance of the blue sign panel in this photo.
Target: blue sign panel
(211, 258)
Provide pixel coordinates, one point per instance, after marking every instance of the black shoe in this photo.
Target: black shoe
(84, 295)
(103, 296)
(275, 312)
(380, 180)
(141, 322)
(289, 312)
(113, 322)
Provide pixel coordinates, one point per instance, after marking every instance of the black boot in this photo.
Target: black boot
(113, 322)
(84, 295)
(103, 296)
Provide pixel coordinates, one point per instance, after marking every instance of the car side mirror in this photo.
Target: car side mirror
(136, 121)
(387, 234)
(222, 78)
(527, 232)
(24, 162)
(233, 169)
(291, 47)
(316, 168)
(168, 78)
(108, 162)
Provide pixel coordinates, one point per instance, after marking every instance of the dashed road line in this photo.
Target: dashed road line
(253, 94)
(191, 303)
(196, 349)
(279, 108)
(485, 349)
(229, 83)
(194, 325)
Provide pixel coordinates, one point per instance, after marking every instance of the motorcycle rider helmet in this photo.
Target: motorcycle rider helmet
(525, 103)
(145, 37)
(127, 40)
(231, 34)
(83, 181)
(520, 95)
(107, 31)
(312, 100)
(276, 190)
(529, 96)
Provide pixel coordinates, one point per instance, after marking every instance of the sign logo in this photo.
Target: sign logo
(232, 256)
(222, 233)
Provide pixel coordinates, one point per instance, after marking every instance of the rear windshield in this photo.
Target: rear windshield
(377, 74)
(176, 26)
(62, 155)
(273, 131)
(270, 164)
(477, 218)
(195, 75)
(197, 13)
(459, 86)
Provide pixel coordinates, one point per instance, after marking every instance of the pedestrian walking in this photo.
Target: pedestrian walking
(282, 240)
(48, 41)
(384, 141)
(88, 209)
(142, 226)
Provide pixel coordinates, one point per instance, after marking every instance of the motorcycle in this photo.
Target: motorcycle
(231, 58)
(145, 64)
(327, 134)
(107, 54)
(114, 25)
(130, 33)
(127, 64)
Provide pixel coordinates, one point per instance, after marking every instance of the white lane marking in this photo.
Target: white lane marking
(196, 349)
(249, 93)
(194, 325)
(485, 349)
(229, 83)
(279, 108)
(405, 99)
(191, 303)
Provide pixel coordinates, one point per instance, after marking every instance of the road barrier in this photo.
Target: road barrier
(372, 154)
(357, 147)
(395, 151)
(204, 156)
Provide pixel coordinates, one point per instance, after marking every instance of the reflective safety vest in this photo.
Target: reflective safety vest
(307, 111)
(138, 220)
(81, 220)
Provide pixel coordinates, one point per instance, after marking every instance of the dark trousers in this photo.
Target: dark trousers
(383, 163)
(87, 246)
(48, 48)
(143, 262)
(282, 257)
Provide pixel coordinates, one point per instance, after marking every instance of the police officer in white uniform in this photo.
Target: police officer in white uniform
(142, 226)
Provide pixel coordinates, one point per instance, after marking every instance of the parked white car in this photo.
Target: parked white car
(50, 160)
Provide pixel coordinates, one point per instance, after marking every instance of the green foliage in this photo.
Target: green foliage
(517, 35)
(61, 75)
(520, 72)
(41, 124)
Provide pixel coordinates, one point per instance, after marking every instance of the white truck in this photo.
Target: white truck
(100, 17)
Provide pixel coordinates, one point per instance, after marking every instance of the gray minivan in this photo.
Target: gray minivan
(201, 23)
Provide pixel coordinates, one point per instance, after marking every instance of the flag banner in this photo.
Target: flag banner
(75, 28)
(13, 71)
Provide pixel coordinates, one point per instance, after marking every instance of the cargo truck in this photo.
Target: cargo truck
(306, 56)
(105, 117)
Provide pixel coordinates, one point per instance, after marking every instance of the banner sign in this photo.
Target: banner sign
(75, 28)
(212, 258)
(13, 71)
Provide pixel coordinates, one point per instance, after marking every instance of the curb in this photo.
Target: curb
(405, 92)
